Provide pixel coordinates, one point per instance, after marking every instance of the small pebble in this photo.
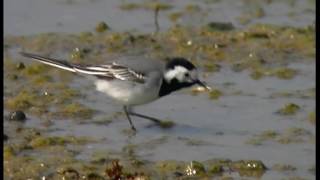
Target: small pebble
(20, 66)
(178, 174)
(219, 133)
(5, 137)
(101, 27)
(17, 116)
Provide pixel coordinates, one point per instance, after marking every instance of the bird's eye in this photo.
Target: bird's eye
(186, 75)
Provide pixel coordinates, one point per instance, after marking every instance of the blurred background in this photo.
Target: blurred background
(38, 16)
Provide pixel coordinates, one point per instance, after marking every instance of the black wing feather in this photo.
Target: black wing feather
(107, 71)
(115, 71)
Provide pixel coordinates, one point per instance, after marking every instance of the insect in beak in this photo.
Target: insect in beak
(203, 84)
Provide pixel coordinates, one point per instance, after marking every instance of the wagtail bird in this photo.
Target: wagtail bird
(133, 81)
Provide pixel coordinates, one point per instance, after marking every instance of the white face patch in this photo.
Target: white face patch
(179, 73)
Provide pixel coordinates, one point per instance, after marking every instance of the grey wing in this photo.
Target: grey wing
(112, 71)
(141, 64)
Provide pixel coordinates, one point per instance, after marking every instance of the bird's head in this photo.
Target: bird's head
(182, 72)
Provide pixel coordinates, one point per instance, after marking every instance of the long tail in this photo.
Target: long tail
(101, 71)
(50, 61)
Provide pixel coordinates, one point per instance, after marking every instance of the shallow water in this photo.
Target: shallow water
(223, 125)
(218, 128)
(38, 16)
(205, 129)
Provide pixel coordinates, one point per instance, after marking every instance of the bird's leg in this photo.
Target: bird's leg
(125, 108)
(145, 117)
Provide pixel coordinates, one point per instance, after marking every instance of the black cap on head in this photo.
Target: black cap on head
(179, 61)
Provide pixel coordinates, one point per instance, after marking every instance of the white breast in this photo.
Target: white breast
(130, 93)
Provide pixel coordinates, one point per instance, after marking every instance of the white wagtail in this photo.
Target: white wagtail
(133, 82)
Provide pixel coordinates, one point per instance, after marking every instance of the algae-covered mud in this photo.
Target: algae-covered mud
(258, 122)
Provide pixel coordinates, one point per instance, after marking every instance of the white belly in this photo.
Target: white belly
(128, 93)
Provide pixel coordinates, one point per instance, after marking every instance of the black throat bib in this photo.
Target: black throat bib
(166, 88)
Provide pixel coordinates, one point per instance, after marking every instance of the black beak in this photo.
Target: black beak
(203, 84)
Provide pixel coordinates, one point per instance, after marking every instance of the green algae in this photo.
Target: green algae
(147, 6)
(283, 167)
(40, 80)
(39, 102)
(257, 74)
(60, 93)
(225, 177)
(215, 94)
(23, 100)
(220, 26)
(294, 135)
(216, 169)
(254, 141)
(312, 117)
(248, 165)
(76, 110)
(56, 141)
(285, 73)
(102, 27)
(67, 93)
(24, 168)
(296, 131)
(189, 8)
(166, 124)
(94, 176)
(211, 67)
(100, 157)
(213, 168)
(157, 5)
(192, 7)
(257, 34)
(130, 6)
(217, 166)
(281, 73)
(169, 166)
(259, 12)
(48, 141)
(175, 16)
(264, 136)
(195, 168)
(291, 40)
(163, 169)
(115, 170)
(8, 152)
(288, 136)
(289, 109)
(35, 69)
(312, 169)
(308, 93)
(269, 134)
(23, 165)
(77, 54)
(68, 173)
